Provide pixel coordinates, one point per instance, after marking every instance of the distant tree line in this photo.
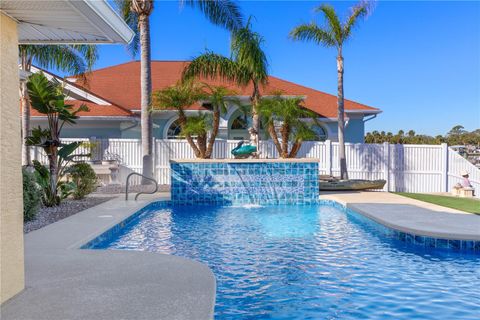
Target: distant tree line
(456, 136)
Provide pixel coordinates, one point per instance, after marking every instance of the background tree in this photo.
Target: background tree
(456, 136)
(246, 65)
(137, 15)
(72, 59)
(289, 119)
(334, 34)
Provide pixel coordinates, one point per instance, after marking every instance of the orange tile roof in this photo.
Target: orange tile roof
(95, 110)
(120, 84)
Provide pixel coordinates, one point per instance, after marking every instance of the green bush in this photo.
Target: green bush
(84, 179)
(31, 196)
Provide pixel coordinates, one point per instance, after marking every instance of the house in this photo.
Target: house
(35, 22)
(113, 96)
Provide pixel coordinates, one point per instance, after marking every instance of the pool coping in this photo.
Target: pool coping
(249, 160)
(410, 216)
(64, 281)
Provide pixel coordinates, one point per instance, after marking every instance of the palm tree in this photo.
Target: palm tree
(178, 97)
(294, 122)
(137, 15)
(247, 65)
(334, 34)
(72, 59)
(218, 97)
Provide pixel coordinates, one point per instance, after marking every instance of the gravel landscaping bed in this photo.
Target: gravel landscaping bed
(47, 215)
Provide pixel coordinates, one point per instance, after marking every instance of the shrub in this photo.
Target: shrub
(31, 196)
(84, 179)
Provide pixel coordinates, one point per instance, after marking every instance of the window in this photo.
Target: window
(320, 132)
(239, 123)
(174, 131)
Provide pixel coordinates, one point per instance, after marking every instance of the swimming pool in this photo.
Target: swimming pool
(307, 262)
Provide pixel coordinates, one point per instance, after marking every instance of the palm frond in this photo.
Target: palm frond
(358, 11)
(225, 13)
(123, 7)
(220, 96)
(312, 32)
(211, 66)
(197, 125)
(72, 59)
(178, 96)
(333, 21)
(247, 51)
(89, 53)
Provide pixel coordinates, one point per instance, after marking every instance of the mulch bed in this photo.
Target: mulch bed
(48, 215)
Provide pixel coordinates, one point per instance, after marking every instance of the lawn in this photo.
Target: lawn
(464, 204)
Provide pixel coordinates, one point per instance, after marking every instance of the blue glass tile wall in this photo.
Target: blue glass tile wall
(223, 183)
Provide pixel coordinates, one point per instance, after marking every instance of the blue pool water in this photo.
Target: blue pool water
(308, 262)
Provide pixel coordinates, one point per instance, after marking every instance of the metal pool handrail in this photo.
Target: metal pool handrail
(144, 177)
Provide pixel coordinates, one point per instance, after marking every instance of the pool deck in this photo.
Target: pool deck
(410, 215)
(65, 282)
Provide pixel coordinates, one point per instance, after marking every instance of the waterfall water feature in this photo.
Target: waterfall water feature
(234, 182)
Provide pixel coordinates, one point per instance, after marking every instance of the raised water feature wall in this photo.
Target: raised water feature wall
(238, 182)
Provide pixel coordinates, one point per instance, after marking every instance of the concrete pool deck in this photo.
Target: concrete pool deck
(65, 282)
(410, 215)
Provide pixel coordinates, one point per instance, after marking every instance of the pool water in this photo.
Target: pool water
(308, 262)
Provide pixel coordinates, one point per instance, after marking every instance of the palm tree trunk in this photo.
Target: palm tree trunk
(52, 168)
(285, 134)
(202, 145)
(213, 136)
(183, 120)
(255, 113)
(295, 148)
(341, 119)
(273, 134)
(146, 93)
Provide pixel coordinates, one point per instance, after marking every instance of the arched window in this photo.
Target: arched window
(240, 123)
(321, 133)
(174, 131)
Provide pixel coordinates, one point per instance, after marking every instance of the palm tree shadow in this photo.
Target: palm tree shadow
(373, 164)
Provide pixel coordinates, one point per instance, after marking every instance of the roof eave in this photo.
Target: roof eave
(102, 24)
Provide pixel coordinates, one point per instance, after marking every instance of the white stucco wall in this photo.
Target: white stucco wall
(11, 200)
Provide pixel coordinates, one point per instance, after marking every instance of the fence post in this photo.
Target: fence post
(328, 150)
(386, 164)
(445, 167)
(154, 157)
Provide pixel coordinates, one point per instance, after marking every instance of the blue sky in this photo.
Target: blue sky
(417, 61)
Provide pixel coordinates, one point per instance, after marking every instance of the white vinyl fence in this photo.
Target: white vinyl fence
(407, 168)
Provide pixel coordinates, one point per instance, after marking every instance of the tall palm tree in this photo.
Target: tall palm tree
(137, 15)
(247, 65)
(293, 120)
(334, 34)
(72, 59)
